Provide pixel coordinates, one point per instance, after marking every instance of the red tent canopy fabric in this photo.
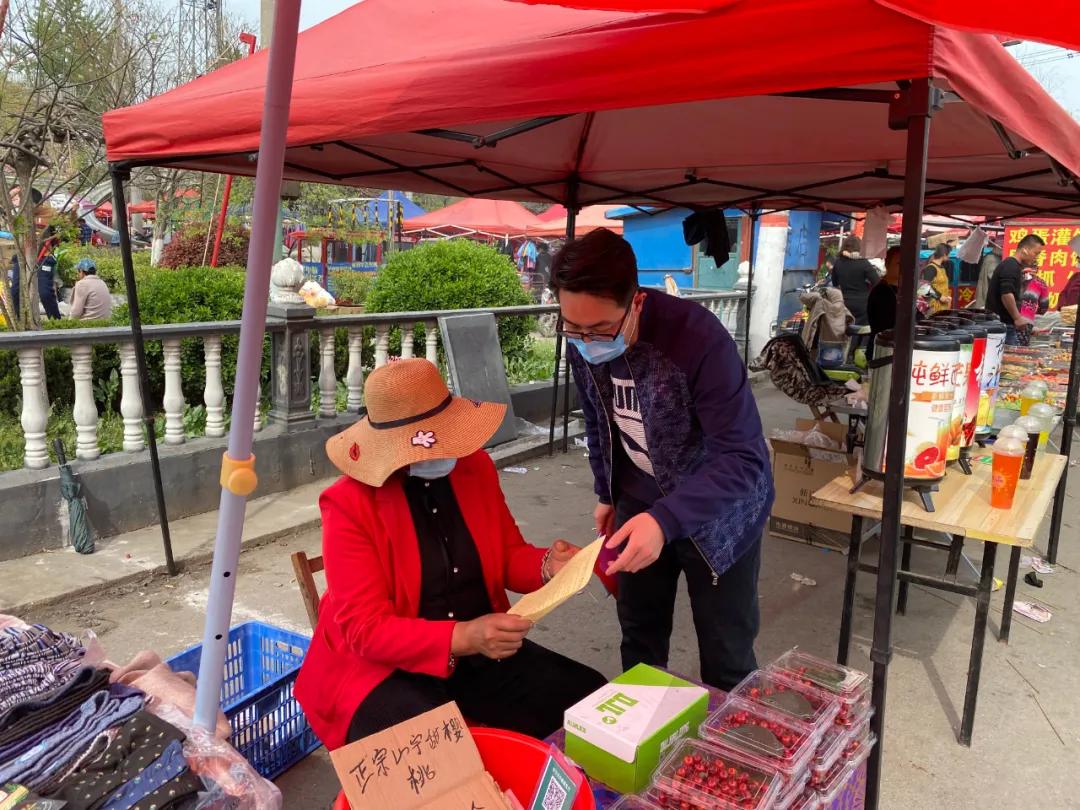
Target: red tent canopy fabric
(496, 217)
(556, 212)
(588, 219)
(640, 108)
(1054, 21)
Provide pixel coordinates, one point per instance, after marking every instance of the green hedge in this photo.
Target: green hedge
(454, 274)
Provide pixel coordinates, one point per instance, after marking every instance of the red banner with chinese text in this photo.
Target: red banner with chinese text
(1057, 262)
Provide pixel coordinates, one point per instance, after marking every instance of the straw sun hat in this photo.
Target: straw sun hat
(411, 416)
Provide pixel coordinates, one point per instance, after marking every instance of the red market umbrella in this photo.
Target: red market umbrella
(552, 214)
(588, 219)
(492, 217)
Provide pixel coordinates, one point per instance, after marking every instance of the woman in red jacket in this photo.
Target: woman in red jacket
(419, 549)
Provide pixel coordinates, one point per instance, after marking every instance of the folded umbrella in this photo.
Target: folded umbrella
(80, 532)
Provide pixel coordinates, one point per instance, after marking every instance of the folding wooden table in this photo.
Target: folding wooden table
(962, 510)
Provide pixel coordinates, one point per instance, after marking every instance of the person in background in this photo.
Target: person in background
(680, 465)
(90, 301)
(1070, 293)
(881, 303)
(46, 276)
(987, 267)
(854, 276)
(419, 550)
(1006, 286)
(936, 274)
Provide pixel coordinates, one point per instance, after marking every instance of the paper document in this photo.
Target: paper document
(572, 579)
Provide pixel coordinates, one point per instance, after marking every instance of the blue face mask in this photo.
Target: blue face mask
(598, 352)
(430, 470)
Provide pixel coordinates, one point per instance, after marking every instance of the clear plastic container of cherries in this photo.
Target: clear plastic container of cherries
(798, 702)
(849, 686)
(699, 775)
(765, 738)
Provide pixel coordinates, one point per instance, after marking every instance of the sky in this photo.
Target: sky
(1051, 66)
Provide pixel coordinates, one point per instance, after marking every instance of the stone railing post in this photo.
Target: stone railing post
(354, 375)
(290, 364)
(214, 391)
(173, 401)
(407, 337)
(85, 410)
(431, 341)
(327, 374)
(35, 412)
(382, 344)
(131, 404)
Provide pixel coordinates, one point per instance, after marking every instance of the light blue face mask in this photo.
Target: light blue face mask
(599, 352)
(430, 470)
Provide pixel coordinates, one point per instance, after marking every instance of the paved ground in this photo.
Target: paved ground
(1026, 750)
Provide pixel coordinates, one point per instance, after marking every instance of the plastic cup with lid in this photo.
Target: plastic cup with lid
(1007, 461)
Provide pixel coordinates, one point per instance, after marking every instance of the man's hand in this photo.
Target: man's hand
(561, 552)
(644, 541)
(1021, 323)
(496, 635)
(604, 515)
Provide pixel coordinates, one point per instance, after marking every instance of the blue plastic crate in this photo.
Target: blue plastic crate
(268, 726)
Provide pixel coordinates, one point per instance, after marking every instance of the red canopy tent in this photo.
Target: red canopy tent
(471, 216)
(553, 213)
(509, 101)
(588, 219)
(1054, 21)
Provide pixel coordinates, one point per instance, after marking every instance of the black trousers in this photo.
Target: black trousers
(725, 612)
(527, 692)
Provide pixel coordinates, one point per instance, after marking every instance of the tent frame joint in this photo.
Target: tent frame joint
(917, 100)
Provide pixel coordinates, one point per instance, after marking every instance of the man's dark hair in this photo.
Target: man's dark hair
(891, 251)
(942, 251)
(601, 263)
(1032, 240)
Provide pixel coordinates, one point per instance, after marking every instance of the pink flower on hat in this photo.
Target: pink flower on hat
(424, 438)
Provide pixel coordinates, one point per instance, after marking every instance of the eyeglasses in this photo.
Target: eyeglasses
(597, 337)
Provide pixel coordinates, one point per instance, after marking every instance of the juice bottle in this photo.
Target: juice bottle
(1008, 458)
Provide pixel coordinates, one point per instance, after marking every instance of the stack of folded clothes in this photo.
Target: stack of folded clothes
(69, 735)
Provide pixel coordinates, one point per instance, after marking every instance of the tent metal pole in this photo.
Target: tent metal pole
(571, 230)
(119, 175)
(238, 470)
(1068, 424)
(555, 386)
(918, 138)
(754, 215)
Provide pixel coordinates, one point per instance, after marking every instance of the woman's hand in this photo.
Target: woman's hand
(496, 635)
(561, 552)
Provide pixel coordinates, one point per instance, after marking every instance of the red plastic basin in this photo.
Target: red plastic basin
(514, 761)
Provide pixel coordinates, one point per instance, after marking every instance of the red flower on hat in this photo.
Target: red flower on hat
(354, 452)
(424, 438)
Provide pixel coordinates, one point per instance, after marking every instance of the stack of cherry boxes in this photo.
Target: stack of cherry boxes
(789, 737)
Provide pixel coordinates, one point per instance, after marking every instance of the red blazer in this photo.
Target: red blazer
(368, 624)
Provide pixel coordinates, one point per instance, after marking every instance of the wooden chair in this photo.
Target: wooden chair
(305, 569)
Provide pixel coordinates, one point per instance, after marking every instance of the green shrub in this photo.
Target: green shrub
(454, 274)
(351, 287)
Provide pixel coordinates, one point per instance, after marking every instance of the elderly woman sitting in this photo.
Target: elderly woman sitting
(420, 549)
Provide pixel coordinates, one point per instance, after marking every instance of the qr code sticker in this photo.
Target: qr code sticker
(554, 796)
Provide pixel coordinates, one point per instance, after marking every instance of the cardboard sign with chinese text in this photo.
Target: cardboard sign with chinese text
(428, 761)
(1057, 261)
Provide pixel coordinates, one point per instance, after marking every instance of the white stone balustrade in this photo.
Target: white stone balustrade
(291, 372)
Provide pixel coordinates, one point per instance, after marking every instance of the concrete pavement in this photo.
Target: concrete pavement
(1026, 748)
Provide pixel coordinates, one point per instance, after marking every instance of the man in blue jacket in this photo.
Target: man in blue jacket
(677, 452)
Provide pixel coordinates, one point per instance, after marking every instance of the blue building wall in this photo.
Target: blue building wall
(659, 245)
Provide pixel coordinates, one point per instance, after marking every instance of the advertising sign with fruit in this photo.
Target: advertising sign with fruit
(929, 414)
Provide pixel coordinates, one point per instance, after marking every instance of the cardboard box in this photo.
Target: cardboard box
(798, 471)
(621, 732)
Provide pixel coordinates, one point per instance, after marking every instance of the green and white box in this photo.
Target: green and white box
(621, 732)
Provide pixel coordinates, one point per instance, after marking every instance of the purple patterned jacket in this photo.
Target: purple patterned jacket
(702, 427)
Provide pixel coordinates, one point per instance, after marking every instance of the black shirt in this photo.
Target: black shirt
(1008, 278)
(451, 577)
(854, 278)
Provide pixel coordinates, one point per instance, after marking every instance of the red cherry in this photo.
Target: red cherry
(754, 692)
